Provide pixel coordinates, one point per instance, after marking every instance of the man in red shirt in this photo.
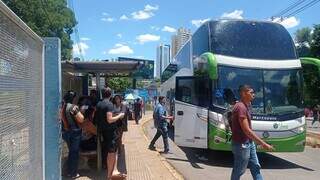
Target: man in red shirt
(243, 138)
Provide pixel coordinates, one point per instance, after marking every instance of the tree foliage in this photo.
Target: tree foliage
(303, 39)
(119, 84)
(311, 85)
(47, 18)
(315, 42)
(303, 35)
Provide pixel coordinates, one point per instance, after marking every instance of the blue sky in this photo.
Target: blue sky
(134, 28)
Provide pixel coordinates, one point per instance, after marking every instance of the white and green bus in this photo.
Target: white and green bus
(221, 56)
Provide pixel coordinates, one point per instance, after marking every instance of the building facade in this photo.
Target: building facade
(178, 40)
(163, 58)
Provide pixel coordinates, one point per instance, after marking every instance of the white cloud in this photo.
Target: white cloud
(198, 22)
(288, 22)
(119, 35)
(120, 49)
(124, 17)
(143, 38)
(109, 19)
(82, 45)
(155, 28)
(151, 8)
(146, 13)
(168, 29)
(85, 39)
(236, 14)
(105, 14)
(140, 15)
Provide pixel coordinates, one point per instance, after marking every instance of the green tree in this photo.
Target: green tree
(311, 85)
(119, 84)
(47, 18)
(140, 84)
(303, 39)
(315, 42)
(303, 35)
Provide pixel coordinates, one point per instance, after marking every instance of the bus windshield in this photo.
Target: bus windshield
(277, 92)
(254, 40)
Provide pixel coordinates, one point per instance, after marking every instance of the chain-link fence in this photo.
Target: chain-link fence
(21, 99)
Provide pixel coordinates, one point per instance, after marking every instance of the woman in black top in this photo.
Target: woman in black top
(118, 108)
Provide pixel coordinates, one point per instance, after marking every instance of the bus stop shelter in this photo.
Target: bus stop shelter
(99, 69)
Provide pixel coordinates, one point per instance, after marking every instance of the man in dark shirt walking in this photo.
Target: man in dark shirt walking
(243, 138)
(108, 127)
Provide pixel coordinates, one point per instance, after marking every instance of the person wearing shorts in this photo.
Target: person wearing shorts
(108, 127)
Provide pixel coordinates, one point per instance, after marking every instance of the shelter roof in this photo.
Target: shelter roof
(99, 67)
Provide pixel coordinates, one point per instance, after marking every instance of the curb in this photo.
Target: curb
(171, 169)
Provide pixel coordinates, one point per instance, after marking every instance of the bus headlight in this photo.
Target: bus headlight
(299, 130)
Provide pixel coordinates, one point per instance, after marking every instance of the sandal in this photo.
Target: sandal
(119, 176)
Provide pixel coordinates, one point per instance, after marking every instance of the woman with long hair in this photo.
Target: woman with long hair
(118, 108)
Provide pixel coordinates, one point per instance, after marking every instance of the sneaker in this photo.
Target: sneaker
(166, 152)
(152, 148)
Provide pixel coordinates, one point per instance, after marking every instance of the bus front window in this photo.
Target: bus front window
(283, 91)
(276, 91)
(229, 81)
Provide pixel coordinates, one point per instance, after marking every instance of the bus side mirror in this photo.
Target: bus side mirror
(212, 64)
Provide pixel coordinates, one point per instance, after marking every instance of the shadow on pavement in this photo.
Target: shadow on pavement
(269, 161)
(122, 166)
(196, 157)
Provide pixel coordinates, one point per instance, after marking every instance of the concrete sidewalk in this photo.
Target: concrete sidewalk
(141, 162)
(136, 160)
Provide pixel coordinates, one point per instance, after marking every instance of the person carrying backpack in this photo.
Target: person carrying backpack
(155, 104)
(72, 119)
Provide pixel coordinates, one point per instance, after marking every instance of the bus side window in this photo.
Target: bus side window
(193, 91)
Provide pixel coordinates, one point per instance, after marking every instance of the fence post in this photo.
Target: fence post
(52, 124)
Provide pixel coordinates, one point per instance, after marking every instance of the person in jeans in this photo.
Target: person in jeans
(161, 125)
(243, 138)
(72, 119)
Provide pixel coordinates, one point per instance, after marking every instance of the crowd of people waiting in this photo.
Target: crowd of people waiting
(82, 117)
(313, 112)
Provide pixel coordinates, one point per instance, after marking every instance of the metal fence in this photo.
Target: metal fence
(21, 99)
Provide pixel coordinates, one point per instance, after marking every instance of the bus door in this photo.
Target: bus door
(191, 111)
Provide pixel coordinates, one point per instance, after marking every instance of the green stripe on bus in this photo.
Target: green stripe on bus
(219, 140)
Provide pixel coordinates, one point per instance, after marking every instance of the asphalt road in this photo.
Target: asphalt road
(197, 164)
